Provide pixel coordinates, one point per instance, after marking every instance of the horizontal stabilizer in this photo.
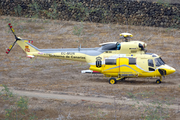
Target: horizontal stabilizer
(90, 71)
(30, 56)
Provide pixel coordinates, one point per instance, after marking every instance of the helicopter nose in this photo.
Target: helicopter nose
(170, 71)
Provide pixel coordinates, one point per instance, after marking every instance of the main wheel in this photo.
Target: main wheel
(158, 81)
(112, 81)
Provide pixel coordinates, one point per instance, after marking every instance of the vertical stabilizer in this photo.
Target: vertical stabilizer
(26, 46)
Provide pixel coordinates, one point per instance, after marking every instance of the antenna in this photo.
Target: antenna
(79, 47)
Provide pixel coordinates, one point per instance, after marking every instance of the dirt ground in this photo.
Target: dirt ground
(64, 77)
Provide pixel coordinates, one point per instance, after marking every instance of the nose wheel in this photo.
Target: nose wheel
(158, 81)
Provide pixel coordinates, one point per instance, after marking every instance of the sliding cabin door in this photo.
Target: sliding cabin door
(127, 67)
(123, 66)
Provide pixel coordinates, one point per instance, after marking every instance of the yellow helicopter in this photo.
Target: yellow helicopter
(113, 59)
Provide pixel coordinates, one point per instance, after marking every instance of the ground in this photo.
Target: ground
(55, 76)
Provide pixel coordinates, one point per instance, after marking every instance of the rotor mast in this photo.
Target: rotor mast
(126, 36)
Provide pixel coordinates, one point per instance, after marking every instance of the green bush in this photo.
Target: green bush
(52, 14)
(18, 10)
(17, 108)
(36, 9)
(78, 30)
(165, 3)
(152, 111)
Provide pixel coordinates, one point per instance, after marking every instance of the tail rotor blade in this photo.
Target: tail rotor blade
(10, 26)
(10, 47)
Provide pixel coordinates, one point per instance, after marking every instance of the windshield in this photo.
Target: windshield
(159, 61)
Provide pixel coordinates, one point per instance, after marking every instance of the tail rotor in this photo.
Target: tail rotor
(11, 46)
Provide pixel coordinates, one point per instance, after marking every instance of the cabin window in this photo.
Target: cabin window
(132, 61)
(110, 61)
(150, 63)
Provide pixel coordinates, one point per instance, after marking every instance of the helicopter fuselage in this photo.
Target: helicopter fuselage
(113, 59)
(130, 60)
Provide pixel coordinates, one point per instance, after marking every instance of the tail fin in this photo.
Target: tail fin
(23, 43)
(26, 46)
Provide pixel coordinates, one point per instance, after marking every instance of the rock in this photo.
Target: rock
(161, 23)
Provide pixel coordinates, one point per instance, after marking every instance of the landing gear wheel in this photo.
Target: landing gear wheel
(112, 81)
(158, 81)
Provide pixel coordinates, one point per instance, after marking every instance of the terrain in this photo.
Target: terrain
(63, 77)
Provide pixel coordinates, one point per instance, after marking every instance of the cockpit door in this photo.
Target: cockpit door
(143, 63)
(151, 65)
(146, 64)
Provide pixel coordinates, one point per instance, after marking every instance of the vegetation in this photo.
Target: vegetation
(84, 12)
(18, 10)
(78, 11)
(17, 108)
(153, 111)
(78, 30)
(165, 3)
(53, 14)
(36, 9)
(81, 11)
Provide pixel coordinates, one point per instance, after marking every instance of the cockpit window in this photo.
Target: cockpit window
(159, 62)
(150, 63)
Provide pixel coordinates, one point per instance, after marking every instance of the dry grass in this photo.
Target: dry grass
(44, 74)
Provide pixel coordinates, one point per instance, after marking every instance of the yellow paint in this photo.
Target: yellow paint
(10, 46)
(12, 29)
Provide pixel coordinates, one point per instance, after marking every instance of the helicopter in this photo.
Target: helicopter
(118, 61)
